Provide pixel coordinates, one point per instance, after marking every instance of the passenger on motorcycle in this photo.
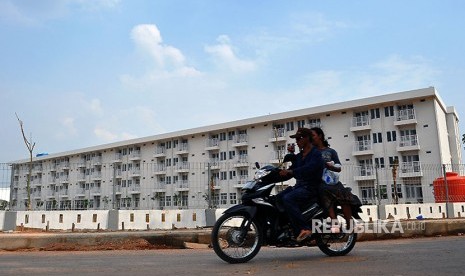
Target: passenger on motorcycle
(307, 169)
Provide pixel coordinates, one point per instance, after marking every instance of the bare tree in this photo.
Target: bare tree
(30, 146)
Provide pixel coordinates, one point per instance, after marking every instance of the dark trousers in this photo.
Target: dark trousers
(292, 199)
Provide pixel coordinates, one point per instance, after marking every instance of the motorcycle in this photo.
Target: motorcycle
(239, 233)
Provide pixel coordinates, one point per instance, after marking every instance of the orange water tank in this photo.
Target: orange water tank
(455, 187)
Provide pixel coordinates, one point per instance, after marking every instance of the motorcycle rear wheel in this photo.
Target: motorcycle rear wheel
(336, 244)
(232, 242)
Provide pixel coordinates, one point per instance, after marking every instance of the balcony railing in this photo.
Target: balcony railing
(183, 147)
(212, 143)
(160, 151)
(363, 145)
(405, 114)
(410, 169)
(364, 173)
(408, 141)
(277, 134)
(360, 121)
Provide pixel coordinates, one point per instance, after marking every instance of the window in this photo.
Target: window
(168, 180)
(224, 198)
(232, 174)
(377, 137)
(314, 123)
(232, 154)
(232, 198)
(399, 190)
(168, 162)
(223, 175)
(289, 126)
(393, 160)
(301, 123)
(375, 113)
(231, 135)
(175, 143)
(391, 136)
(223, 156)
(223, 136)
(389, 111)
(168, 144)
(379, 162)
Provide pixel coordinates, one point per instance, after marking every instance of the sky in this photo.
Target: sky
(83, 73)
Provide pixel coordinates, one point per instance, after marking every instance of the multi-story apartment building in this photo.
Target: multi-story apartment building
(392, 142)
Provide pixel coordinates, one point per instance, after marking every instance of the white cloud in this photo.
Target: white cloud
(105, 135)
(68, 124)
(392, 74)
(167, 58)
(224, 56)
(95, 106)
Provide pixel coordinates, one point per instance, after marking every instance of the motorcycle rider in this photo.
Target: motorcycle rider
(307, 169)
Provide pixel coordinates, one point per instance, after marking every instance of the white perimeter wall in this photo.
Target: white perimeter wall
(191, 219)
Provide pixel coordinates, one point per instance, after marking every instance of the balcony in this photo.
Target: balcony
(241, 180)
(64, 165)
(81, 192)
(81, 177)
(360, 123)
(159, 187)
(405, 117)
(364, 173)
(410, 169)
(96, 161)
(96, 175)
(135, 155)
(159, 169)
(277, 135)
(363, 147)
(240, 140)
(214, 164)
(277, 156)
(242, 161)
(212, 144)
(95, 191)
(183, 148)
(182, 167)
(135, 189)
(134, 172)
(118, 174)
(37, 169)
(64, 192)
(160, 151)
(182, 186)
(117, 158)
(408, 143)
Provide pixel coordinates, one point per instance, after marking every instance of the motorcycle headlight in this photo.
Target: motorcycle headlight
(260, 174)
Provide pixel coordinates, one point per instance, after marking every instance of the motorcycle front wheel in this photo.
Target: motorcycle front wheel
(236, 238)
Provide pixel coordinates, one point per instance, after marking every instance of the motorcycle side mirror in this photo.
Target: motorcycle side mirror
(257, 165)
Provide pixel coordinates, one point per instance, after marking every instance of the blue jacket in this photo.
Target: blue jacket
(309, 170)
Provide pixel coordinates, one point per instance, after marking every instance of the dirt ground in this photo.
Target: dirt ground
(125, 244)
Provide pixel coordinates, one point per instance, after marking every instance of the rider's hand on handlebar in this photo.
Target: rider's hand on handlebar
(285, 172)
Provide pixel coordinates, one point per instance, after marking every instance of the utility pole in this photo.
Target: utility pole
(394, 176)
(30, 147)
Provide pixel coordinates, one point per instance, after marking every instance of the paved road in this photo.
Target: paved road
(425, 256)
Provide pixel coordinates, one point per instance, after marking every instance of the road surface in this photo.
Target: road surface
(422, 256)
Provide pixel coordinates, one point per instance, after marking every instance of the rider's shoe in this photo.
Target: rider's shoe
(304, 233)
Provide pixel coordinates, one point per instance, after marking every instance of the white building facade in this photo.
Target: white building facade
(391, 147)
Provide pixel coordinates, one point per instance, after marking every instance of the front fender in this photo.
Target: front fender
(250, 210)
